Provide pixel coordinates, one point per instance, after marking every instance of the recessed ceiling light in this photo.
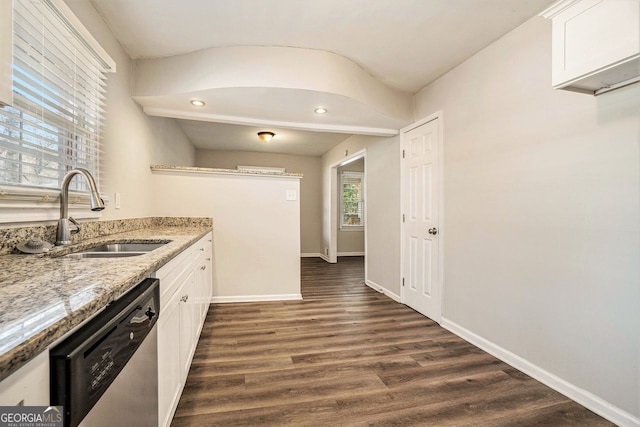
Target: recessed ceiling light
(197, 103)
(320, 110)
(266, 136)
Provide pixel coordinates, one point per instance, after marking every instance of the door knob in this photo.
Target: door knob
(433, 231)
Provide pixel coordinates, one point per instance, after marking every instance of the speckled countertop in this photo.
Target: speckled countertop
(42, 297)
(164, 168)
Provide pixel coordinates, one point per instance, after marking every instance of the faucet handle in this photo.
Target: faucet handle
(74, 222)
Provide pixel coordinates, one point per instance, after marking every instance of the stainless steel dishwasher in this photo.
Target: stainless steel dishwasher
(106, 373)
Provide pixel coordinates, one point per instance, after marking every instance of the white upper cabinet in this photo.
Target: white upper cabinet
(595, 44)
(6, 52)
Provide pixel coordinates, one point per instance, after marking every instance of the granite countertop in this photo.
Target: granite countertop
(165, 168)
(42, 297)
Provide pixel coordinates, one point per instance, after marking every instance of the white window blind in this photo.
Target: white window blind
(352, 199)
(57, 114)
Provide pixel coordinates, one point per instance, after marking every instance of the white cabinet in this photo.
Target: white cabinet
(189, 323)
(185, 291)
(169, 373)
(6, 52)
(204, 278)
(595, 44)
(29, 385)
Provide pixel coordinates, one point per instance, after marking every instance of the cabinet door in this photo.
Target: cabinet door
(29, 385)
(593, 35)
(207, 276)
(188, 309)
(169, 373)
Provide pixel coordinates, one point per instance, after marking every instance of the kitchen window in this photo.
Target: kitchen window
(55, 119)
(352, 200)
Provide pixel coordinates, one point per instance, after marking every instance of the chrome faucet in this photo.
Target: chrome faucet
(63, 235)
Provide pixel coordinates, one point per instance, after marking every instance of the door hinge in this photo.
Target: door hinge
(402, 217)
(403, 154)
(403, 281)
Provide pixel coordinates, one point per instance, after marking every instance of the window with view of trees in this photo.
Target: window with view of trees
(55, 120)
(352, 199)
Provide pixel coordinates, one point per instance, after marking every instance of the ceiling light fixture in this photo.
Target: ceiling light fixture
(197, 103)
(320, 110)
(266, 136)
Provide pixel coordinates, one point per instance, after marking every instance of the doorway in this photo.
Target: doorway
(351, 188)
(349, 207)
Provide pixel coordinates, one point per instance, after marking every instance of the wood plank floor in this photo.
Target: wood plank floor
(347, 355)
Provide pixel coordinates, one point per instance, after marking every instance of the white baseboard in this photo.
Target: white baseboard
(255, 298)
(373, 285)
(350, 253)
(314, 255)
(583, 397)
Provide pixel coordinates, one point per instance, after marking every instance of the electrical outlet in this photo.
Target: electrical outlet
(291, 195)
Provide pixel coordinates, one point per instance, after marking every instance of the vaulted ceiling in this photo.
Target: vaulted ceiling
(361, 59)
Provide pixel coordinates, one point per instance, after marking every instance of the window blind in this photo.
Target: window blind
(352, 191)
(57, 114)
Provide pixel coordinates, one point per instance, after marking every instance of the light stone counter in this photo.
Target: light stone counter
(42, 297)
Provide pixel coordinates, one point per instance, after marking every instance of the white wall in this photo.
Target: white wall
(256, 231)
(383, 205)
(542, 215)
(131, 141)
(310, 186)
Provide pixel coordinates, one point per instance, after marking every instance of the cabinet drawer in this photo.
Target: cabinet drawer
(203, 248)
(173, 274)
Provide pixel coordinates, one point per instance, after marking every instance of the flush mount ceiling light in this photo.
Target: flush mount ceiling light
(320, 110)
(266, 136)
(197, 103)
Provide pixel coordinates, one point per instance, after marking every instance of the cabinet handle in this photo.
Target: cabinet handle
(201, 249)
(184, 298)
(208, 259)
(204, 267)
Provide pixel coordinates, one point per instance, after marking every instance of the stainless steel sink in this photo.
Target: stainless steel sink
(105, 254)
(118, 250)
(125, 247)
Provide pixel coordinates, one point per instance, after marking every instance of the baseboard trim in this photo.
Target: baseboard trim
(583, 397)
(256, 298)
(310, 255)
(373, 285)
(350, 253)
(314, 255)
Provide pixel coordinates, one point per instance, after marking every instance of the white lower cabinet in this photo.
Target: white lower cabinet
(188, 326)
(169, 372)
(185, 292)
(184, 298)
(29, 385)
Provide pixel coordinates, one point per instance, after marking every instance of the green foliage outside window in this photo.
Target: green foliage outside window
(352, 200)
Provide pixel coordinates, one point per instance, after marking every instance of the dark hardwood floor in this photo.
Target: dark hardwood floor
(347, 355)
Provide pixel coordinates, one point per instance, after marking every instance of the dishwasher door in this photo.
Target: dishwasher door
(132, 398)
(106, 372)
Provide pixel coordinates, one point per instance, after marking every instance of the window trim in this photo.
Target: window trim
(351, 227)
(20, 203)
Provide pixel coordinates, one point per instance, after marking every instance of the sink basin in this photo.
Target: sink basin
(125, 247)
(118, 250)
(105, 254)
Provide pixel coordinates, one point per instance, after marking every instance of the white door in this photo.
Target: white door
(421, 285)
